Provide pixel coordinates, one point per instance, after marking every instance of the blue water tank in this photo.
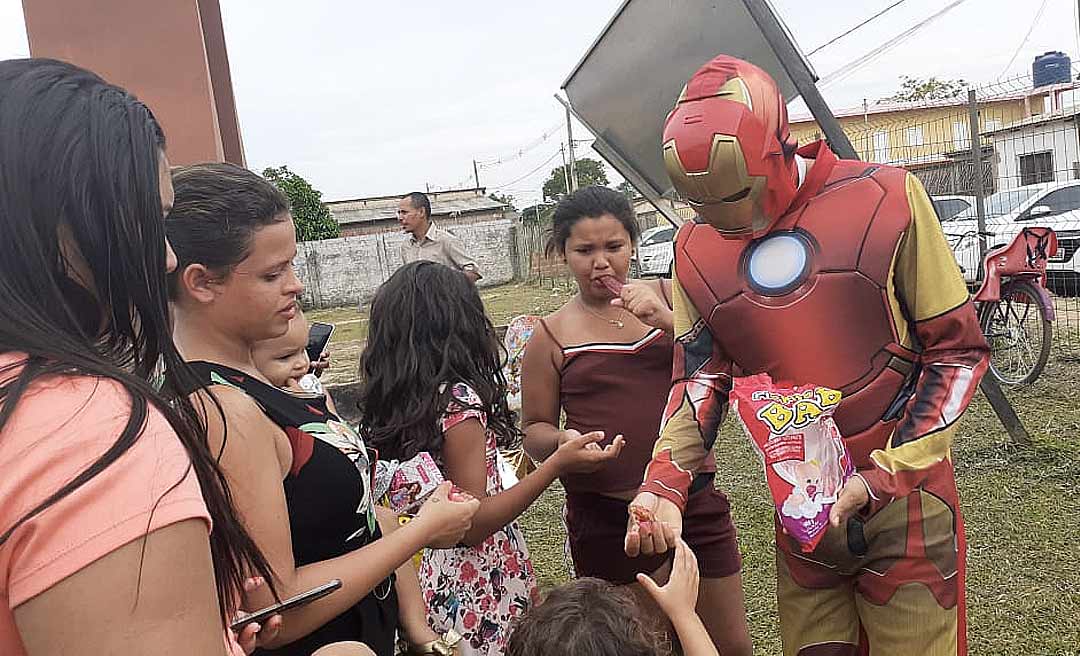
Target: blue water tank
(1051, 68)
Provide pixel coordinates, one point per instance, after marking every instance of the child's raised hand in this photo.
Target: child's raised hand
(581, 454)
(446, 516)
(680, 594)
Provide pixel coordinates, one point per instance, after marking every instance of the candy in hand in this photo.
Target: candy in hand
(613, 284)
(642, 516)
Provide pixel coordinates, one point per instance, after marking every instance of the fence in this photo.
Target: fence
(347, 271)
(1004, 157)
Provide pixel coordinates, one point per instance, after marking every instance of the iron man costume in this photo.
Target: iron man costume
(830, 272)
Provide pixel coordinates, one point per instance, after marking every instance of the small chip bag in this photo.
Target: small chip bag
(806, 464)
(411, 482)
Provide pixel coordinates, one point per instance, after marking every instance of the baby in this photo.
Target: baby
(285, 362)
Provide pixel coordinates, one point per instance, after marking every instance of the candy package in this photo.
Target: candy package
(806, 464)
(412, 481)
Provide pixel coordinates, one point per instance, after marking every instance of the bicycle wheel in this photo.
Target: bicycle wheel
(1018, 333)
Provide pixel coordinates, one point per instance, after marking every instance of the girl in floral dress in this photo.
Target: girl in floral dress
(432, 382)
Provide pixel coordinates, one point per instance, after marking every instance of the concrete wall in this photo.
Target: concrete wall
(347, 271)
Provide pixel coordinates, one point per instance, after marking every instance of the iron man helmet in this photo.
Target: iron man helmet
(728, 149)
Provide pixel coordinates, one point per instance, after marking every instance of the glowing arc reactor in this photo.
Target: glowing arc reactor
(778, 263)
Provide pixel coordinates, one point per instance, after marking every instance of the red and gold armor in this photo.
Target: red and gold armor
(851, 285)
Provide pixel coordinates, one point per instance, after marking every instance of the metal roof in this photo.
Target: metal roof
(367, 210)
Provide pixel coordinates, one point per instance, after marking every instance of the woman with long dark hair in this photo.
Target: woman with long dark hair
(108, 487)
(301, 476)
(433, 383)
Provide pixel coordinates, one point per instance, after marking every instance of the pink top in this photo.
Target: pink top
(60, 426)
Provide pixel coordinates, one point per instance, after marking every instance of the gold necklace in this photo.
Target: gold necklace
(618, 323)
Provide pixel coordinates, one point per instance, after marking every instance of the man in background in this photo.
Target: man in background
(428, 241)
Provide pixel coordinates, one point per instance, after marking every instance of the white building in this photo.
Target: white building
(1043, 148)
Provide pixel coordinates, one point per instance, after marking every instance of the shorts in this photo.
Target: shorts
(596, 527)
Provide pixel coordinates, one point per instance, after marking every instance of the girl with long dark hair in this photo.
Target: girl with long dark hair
(301, 476)
(604, 361)
(109, 490)
(433, 382)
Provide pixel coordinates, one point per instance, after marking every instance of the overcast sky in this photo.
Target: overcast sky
(378, 98)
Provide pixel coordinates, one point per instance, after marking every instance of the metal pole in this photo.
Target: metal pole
(565, 172)
(801, 76)
(570, 140)
(976, 162)
(1004, 410)
(573, 162)
(476, 174)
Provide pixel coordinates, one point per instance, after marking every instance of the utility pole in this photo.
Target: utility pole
(573, 162)
(476, 174)
(565, 172)
(570, 140)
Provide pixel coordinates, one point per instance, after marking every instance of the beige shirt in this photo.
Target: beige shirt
(440, 246)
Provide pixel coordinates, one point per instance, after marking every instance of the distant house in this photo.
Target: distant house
(933, 138)
(1043, 148)
(648, 216)
(365, 216)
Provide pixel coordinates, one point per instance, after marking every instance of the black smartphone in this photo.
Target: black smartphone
(261, 616)
(318, 337)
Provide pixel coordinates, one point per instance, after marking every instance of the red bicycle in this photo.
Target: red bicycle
(1015, 310)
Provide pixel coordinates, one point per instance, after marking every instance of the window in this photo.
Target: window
(1036, 168)
(1059, 202)
(947, 208)
(914, 136)
(992, 124)
(881, 146)
(961, 136)
(659, 237)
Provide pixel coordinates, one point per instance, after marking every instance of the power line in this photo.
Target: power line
(837, 38)
(520, 152)
(532, 172)
(856, 64)
(1027, 36)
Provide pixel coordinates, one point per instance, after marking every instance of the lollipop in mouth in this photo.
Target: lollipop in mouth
(613, 284)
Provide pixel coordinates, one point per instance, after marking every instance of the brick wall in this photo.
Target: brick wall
(347, 271)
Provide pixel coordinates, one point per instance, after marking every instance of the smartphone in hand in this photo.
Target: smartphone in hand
(318, 337)
(301, 599)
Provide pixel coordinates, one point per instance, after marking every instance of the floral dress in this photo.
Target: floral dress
(478, 591)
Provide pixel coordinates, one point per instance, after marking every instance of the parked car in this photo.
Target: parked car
(655, 252)
(1055, 205)
(948, 207)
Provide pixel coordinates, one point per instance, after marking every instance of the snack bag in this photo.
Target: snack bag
(412, 481)
(806, 464)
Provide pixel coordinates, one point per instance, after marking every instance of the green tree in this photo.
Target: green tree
(505, 199)
(588, 172)
(626, 189)
(312, 218)
(914, 89)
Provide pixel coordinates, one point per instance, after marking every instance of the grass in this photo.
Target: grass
(1021, 505)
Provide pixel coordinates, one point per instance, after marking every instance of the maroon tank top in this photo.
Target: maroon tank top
(619, 389)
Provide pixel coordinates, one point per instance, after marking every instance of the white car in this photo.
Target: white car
(1054, 205)
(655, 252)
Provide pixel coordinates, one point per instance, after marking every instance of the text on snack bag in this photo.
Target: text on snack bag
(796, 410)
